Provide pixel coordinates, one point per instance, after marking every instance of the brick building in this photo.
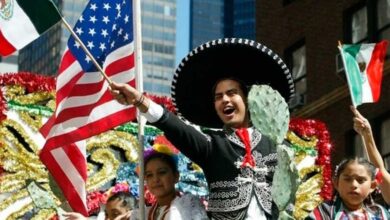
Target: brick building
(306, 33)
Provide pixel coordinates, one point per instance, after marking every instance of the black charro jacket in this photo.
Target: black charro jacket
(220, 154)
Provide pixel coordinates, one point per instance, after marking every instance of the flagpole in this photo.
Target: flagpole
(86, 50)
(350, 92)
(139, 84)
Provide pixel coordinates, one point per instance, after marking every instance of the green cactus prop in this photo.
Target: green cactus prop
(285, 182)
(269, 112)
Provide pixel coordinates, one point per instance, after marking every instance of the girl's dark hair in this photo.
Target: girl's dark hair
(241, 83)
(164, 157)
(371, 169)
(127, 200)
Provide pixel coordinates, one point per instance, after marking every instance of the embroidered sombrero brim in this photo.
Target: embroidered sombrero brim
(247, 60)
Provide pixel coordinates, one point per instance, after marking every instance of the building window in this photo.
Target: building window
(385, 142)
(296, 60)
(368, 21)
(359, 25)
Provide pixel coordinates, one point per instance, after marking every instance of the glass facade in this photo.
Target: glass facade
(210, 20)
(244, 19)
(206, 21)
(43, 55)
(158, 45)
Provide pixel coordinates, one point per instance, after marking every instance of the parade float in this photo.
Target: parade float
(27, 192)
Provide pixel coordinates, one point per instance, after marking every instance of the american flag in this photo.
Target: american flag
(84, 105)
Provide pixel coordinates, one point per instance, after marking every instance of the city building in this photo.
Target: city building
(243, 23)
(158, 45)
(43, 55)
(210, 20)
(9, 64)
(306, 33)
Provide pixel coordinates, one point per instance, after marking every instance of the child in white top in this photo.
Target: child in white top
(161, 175)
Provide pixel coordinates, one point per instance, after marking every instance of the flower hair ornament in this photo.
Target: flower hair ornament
(158, 149)
(119, 187)
(163, 149)
(162, 140)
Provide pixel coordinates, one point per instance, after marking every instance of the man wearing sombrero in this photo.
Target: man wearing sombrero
(210, 89)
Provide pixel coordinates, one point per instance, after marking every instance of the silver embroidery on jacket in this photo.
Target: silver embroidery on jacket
(227, 196)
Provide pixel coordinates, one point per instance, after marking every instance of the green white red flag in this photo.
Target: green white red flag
(363, 64)
(22, 21)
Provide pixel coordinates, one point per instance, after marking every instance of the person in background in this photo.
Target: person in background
(354, 180)
(118, 207)
(363, 127)
(161, 175)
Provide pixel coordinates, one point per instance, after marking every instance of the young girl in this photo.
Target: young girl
(354, 181)
(161, 175)
(363, 127)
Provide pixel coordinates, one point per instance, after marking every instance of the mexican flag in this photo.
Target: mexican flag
(22, 21)
(363, 64)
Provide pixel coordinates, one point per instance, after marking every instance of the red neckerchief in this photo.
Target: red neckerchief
(243, 134)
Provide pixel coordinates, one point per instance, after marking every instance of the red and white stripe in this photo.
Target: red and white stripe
(85, 108)
(68, 167)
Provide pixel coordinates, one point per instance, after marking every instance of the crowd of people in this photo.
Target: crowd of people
(210, 89)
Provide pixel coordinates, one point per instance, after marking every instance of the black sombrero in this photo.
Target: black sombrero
(247, 60)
